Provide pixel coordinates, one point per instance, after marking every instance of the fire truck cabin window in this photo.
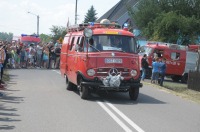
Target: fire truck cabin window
(72, 43)
(145, 50)
(80, 49)
(175, 56)
(158, 53)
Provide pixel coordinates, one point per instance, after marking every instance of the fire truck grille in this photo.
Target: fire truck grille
(105, 71)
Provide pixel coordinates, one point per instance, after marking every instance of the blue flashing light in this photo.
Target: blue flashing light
(24, 35)
(91, 23)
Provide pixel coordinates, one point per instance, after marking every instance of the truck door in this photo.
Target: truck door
(64, 55)
(175, 62)
(72, 55)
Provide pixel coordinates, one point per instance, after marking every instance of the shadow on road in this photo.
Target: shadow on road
(121, 98)
(9, 114)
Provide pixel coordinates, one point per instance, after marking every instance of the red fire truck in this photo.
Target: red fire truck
(91, 62)
(179, 59)
(29, 39)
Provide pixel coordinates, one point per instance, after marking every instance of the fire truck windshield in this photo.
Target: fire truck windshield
(113, 43)
(145, 50)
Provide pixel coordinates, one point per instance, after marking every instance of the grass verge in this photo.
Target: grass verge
(181, 90)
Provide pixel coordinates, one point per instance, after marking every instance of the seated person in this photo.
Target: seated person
(91, 45)
(117, 43)
(177, 56)
(98, 45)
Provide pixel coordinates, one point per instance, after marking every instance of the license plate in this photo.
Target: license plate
(113, 60)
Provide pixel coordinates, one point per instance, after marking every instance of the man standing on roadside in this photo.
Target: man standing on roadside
(57, 52)
(39, 54)
(155, 71)
(162, 71)
(145, 66)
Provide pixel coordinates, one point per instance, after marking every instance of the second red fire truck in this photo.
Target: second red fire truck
(179, 59)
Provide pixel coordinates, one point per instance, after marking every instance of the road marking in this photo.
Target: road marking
(129, 121)
(56, 71)
(115, 117)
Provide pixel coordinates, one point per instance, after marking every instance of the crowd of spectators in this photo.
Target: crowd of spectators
(19, 55)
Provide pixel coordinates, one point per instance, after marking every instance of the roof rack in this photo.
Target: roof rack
(92, 25)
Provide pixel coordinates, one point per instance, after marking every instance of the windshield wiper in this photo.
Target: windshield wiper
(94, 48)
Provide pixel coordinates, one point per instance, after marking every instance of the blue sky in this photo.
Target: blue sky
(15, 19)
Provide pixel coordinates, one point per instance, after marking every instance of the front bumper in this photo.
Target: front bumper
(123, 86)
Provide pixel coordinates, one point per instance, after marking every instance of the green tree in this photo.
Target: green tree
(6, 36)
(168, 27)
(91, 15)
(45, 38)
(57, 32)
(168, 20)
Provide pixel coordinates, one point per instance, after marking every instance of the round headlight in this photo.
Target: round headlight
(133, 73)
(90, 72)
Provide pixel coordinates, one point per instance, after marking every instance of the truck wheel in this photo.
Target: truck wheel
(184, 78)
(175, 78)
(83, 90)
(133, 93)
(69, 85)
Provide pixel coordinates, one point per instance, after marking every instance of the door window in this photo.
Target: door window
(72, 43)
(175, 56)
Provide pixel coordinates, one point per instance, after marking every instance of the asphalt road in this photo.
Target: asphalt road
(37, 101)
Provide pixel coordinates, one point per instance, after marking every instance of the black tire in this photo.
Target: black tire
(69, 85)
(184, 78)
(133, 93)
(83, 90)
(175, 78)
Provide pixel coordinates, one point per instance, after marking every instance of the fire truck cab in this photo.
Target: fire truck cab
(179, 59)
(100, 56)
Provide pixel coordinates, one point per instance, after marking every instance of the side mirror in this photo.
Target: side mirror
(88, 32)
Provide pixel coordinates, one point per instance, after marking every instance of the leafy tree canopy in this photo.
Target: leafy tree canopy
(168, 20)
(45, 38)
(6, 36)
(57, 32)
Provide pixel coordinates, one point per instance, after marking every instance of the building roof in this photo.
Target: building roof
(119, 13)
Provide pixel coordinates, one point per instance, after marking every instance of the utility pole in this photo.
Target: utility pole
(38, 17)
(38, 24)
(76, 12)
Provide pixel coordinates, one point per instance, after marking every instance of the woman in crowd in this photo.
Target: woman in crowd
(45, 57)
(162, 71)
